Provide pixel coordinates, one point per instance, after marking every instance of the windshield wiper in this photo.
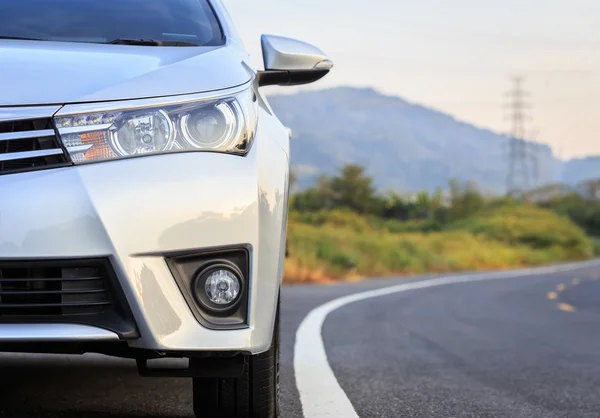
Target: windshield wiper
(149, 42)
(119, 41)
(21, 38)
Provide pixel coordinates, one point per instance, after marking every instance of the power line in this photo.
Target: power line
(521, 157)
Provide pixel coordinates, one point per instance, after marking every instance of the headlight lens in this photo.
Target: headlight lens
(210, 128)
(226, 124)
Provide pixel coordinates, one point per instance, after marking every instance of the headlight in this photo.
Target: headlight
(225, 124)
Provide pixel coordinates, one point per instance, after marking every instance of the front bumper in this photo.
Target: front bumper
(137, 211)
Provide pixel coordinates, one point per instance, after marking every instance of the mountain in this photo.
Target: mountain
(404, 146)
(580, 169)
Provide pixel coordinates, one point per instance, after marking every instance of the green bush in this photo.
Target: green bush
(340, 244)
(342, 218)
(583, 212)
(531, 226)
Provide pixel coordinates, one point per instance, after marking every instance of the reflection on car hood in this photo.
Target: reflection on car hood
(37, 72)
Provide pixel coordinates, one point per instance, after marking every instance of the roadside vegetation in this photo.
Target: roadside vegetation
(584, 212)
(343, 229)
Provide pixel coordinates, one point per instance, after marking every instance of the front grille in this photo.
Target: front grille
(80, 291)
(29, 145)
(53, 291)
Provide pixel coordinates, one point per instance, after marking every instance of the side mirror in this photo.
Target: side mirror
(289, 62)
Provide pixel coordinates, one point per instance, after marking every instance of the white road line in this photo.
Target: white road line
(320, 393)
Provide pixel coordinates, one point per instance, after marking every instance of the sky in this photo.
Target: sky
(455, 56)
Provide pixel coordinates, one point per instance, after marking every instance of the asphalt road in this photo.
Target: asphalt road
(515, 347)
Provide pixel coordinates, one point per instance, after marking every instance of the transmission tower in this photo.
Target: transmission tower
(521, 156)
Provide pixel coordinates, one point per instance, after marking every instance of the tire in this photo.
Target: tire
(253, 395)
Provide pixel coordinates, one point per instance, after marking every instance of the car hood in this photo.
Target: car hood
(37, 72)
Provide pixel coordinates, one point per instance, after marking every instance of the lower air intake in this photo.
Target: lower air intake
(82, 291)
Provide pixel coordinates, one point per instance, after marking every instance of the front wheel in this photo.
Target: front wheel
(255, 394)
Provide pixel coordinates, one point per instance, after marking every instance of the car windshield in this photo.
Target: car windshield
(166, 22)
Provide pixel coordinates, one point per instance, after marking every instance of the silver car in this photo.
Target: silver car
(143, 191)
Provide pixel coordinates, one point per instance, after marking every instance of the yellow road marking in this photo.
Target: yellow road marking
(561, 287)
(575, 281)
(552, 295)
(566, 307)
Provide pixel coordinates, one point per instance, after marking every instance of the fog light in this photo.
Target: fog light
(222, 287)
(219, 287)
(215, 285)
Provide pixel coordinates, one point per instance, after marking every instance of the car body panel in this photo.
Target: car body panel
(77, 72)
(137, 211)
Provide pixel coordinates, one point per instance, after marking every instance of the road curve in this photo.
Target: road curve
(520, 346)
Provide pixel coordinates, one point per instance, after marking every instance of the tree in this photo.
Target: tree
(396, 207)
(464, 201)
(315, 198)
(354, 190)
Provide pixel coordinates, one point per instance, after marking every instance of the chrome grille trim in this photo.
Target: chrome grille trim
(17, 333)
(10, 136)
(12, 156)
(28, 140)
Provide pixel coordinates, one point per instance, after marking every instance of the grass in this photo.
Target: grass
(336, 245)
